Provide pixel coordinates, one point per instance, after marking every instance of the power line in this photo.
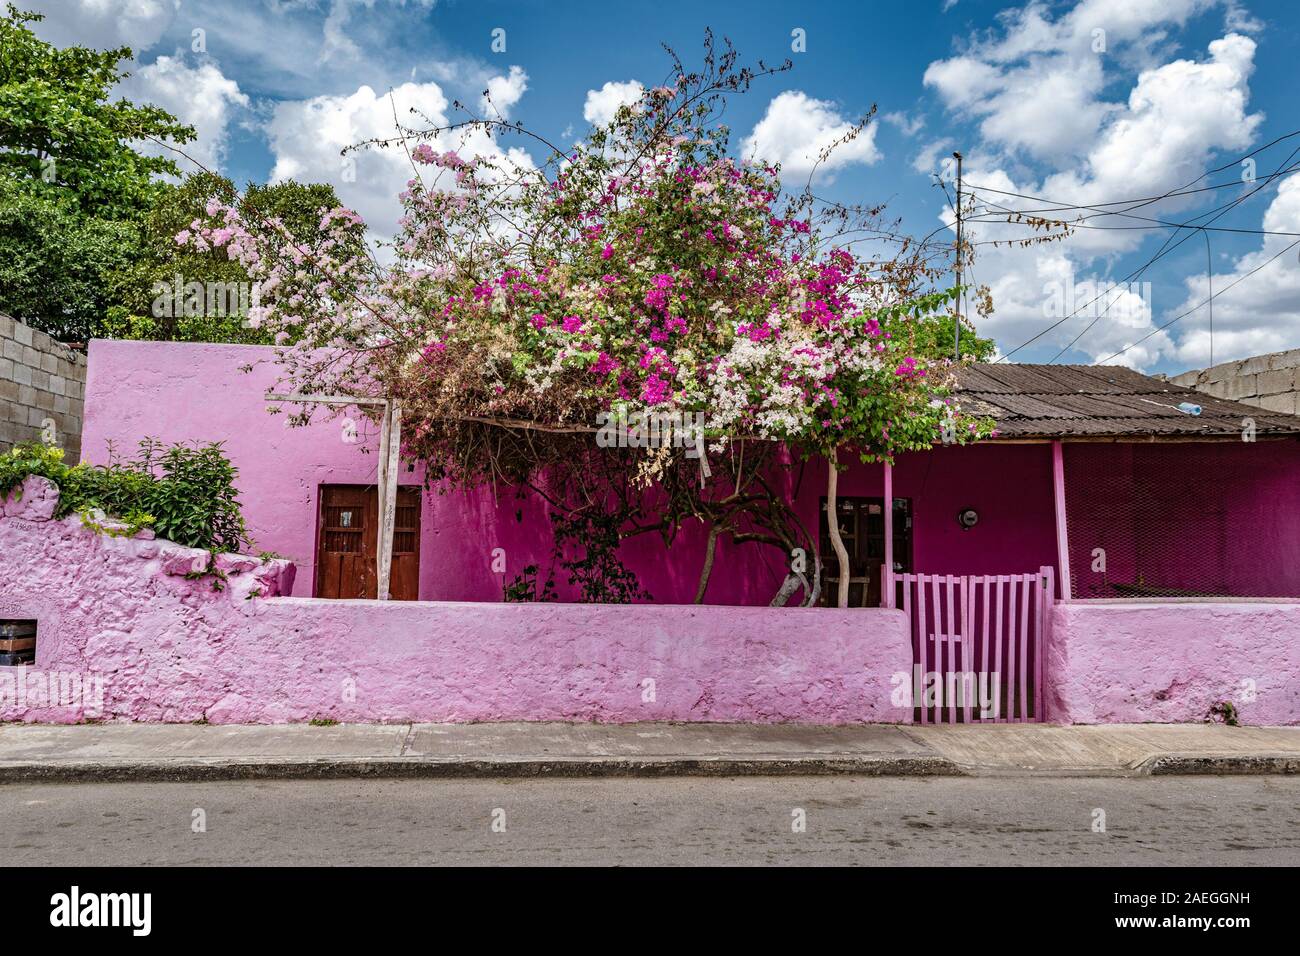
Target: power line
(1222, 211)
(1164, 250)
(1194, 308)
(1158, 223)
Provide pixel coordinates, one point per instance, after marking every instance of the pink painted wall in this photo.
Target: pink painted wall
(167, 648)
(197, 392)
(1166, 663)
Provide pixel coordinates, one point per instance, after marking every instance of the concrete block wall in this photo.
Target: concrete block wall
(1265, 381)
(41, 382)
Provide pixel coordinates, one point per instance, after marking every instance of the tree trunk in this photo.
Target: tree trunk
(793, 582)
(706, 572)
(833, 524)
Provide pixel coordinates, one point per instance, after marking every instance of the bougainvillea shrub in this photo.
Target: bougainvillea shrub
(647, 271)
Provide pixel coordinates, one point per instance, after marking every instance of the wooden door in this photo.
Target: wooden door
(347, 543)
(862, 527)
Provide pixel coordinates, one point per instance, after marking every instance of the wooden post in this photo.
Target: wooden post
(382, 567)
(887, 599)
(390, 449)
(1062, 535)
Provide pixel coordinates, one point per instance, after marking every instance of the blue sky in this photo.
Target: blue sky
(1039, 101)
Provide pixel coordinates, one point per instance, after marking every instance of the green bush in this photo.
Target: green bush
(186, 492)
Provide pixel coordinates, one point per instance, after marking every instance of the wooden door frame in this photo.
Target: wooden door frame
(889, 553)
(369, 491)
(390, 446)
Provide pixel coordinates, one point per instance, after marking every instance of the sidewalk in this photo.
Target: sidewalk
(129, 752)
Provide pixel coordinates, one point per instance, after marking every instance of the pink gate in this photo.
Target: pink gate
(978, 644)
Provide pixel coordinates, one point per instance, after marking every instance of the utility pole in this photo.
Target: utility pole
(956, 339)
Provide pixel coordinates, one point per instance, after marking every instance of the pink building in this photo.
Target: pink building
(1177, 504)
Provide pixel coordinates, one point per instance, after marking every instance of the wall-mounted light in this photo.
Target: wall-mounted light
(968, 518)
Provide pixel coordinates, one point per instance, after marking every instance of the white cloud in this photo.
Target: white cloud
(927, 160)
(339, 44)
(506, 91)
(102, 24)
(200, 96)
(907, 125)
(1037, 86)
(796, 128)
(1036, 89)
(1261, 312)
(1177, 116)
(306, 137)
(602, 104)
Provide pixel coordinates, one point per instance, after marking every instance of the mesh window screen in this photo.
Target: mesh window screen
(1182, 519)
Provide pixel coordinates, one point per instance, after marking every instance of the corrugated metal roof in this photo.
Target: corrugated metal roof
(1103, 401)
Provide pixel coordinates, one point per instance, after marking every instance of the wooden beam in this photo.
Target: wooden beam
(1062, 534)
(887, 599)
(302, 399)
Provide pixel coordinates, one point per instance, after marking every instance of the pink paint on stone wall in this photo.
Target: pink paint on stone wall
(1169, 663)
(120, 615)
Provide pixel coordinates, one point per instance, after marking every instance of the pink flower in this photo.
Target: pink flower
(182, 237)
(607, 251)
(654, 391)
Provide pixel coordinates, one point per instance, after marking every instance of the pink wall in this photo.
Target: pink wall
(196, 392)
(1164, 663)
(167, 648)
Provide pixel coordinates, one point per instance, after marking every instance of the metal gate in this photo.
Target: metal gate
(978, 645)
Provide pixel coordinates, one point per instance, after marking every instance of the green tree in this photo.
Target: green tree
(88, 222)
(73, 188)
(152, 292)
(55, 263)
(63, 136)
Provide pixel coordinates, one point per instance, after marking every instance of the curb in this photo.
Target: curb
(343, 768)
(1225, 765)
(192, 770)
(410, 768)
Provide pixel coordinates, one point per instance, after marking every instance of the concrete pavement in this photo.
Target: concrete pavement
(184, 752)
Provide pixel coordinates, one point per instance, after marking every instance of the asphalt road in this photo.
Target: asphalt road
(1213, 821)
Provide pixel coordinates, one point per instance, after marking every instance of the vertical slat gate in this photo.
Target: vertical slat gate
(979, 645)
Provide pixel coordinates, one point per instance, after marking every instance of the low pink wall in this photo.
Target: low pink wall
(168, 648)
(1167, 663)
